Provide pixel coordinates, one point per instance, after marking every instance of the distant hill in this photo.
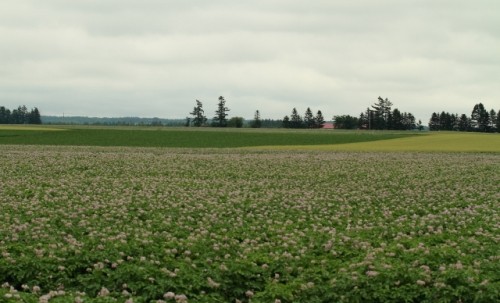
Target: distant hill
(82, 120)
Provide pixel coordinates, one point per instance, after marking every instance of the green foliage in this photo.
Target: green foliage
(220, 119)
(183, 138)
(21, 115)
(236, 122)
(199, 118)
(145, 224)
(480, 120)
(257, 122)
(346, 122)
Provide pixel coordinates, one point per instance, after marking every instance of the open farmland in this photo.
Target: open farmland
(101, 224)
(184, 137)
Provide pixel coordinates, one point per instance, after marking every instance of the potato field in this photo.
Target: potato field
(121, 224)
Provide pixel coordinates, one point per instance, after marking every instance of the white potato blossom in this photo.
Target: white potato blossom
(270, 216)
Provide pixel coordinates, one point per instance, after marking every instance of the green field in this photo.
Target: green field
(184, 137)
(271, 139)
(287, 216)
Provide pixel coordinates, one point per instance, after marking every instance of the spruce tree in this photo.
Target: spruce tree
(295, 119)
(319, 120)
(34, 116)
(397, 120)
(498, 121)
(220, 119)
(4, 115)
(256, 123)
(286, 122)
(309, 118)
(463, 123)
(479, 118)
(381, 113)
(199, 118)
(434, 122)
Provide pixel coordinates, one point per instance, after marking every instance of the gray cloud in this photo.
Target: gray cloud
(154, 58)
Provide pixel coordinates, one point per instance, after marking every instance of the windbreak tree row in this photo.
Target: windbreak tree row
(480, 120)
(20, 115)
(379, 116)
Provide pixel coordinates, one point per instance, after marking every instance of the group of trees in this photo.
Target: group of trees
(220, 119)
(379, 116)
(20, 115)
(480, 120)
(309, 121)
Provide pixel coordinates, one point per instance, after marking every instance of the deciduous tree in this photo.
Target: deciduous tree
(346, 122)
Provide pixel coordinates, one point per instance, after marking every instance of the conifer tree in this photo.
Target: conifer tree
(295, 119)
(319, 120)
(286, 122)
(256, 123)
(34, 116)
(220, 119)
(199, 118)
(498, 121)
(309, 119)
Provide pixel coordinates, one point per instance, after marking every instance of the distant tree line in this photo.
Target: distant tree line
(295, 120)
(380, 116)
(111, 121)
(480, 120)
(20, 115)
(198, 117)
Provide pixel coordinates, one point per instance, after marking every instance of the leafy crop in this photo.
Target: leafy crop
(164, 225)
(207, 138)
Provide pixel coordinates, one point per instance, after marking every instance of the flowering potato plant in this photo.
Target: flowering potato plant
(90, 224)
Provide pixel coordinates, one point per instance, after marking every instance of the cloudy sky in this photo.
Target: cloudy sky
(156, 57)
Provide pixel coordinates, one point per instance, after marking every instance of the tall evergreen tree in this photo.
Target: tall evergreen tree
(479, 118)
(34, 116)
(257, 122)
(220, 119)
(309, 119)
(397, 120)
(463, 123)
(434, 123)
(4, 115)
(319, 120)
(444, 121)
(295, 119)
(286, 122)
(382, 112)
(199, 118)
(498, 121)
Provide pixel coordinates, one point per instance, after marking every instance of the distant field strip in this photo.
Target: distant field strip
(432, 142)
(4, 128)
(188, 138)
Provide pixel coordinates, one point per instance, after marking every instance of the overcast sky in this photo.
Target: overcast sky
(156, 57)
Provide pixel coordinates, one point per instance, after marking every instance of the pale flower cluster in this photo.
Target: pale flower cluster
(188, 222)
